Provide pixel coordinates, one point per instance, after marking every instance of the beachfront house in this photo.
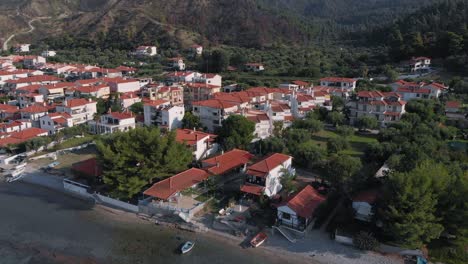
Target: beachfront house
(264, 177)
(297, 213)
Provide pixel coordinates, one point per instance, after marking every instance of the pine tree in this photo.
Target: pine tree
(134, 159)
(409, 209)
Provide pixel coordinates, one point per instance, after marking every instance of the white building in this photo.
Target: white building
(264, 177)
(298, 212)
(121, 85)
(363, 204)
(33, 113)
(22, 48)
(177, 63)
(81, 110)
(208, 78)
(255, 67)
(146, 51)
(345, 84)
(421, 90)
(33, 61)
(48, 53)
(112, 122)
(418, 64)
(197, 49)
(263, 124)
(161, 113)
(213, 112)
(202, 144)
(55, 122)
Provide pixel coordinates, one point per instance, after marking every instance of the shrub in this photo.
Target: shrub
(365, 241)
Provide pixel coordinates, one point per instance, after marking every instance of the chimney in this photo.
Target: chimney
(90, 100)
(65, 103)
(217, 164)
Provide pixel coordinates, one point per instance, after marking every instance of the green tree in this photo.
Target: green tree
(410, 203)
(133, 159)
(308, 154)
(236, 132)
(390, 73)
(341, 169)
(278, 128)
(313, 125)
(335, 118)
(271, 145)
(191, 121)
(366, 122)
(345, 131)
(338, 103)
(137, 108)
(337, 144)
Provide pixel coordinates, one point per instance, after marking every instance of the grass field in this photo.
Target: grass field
(358, 142)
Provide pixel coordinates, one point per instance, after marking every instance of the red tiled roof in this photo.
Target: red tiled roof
(337, 79)
(91, 88)
(190, 137)
(157, 103)
(409, 90)
(228, 161)
(35, 109)
(301, 83)
(125, 68)
(263, 167)
(179, 74)
(202, 86)
(124, 115)
(186, 179)
(60, 114)
(37, 78)
(453, 104)
(78, 102)
(88, 167)
(305, 202)
(215, 103)
(369, 196)
(252, 189)
(119, 80)
(28, 133)
(8, 108)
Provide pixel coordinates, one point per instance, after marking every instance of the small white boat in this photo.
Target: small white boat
(258, 240)
(187, 247)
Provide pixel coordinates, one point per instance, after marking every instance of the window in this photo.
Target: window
(48, 123)
(286, 216)
(43, 122)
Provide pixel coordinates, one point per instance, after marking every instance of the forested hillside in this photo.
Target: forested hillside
(438, 31)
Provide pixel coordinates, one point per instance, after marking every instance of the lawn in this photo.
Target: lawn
(358, 142)
(76, 141)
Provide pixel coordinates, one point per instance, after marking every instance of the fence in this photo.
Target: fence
(116, 203)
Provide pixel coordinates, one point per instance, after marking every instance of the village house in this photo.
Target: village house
(422, 90)
(8, 111)
(54, 122)
(48, 53)
(263, 124)
(27, 98)
(169, 189)
(149, 51)
(208, 78)
(22, 136)
(54, 91)
(22, 48)
(280, 112)
(234, 162)
(264, 177)
(454, 111)
(419, 64)
(297, 212)
(196, 49)
(181, 77)
(161, 113)
(363, 203)
(301, 104)
(254, 67)
(194, 92)
(113, 122)
(177, 63)
(345, 84)
(33, 113)
(121, 85)
(173, 94)
(385, 107)
(202, 144)
(82, 110)
(213, 112)
(126, 71)
(12, 85)
(33, 61)
(13, 126)
(128, 99)
(98, 91)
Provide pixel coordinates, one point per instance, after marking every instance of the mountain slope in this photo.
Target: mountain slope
(250, 23)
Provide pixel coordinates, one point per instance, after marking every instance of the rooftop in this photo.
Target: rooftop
(263, 167)
(305, 202)
(227, 162)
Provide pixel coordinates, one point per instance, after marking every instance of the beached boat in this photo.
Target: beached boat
(187, 246)
(258, 239)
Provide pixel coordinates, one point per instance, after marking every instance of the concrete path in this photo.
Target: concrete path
(31, 29)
